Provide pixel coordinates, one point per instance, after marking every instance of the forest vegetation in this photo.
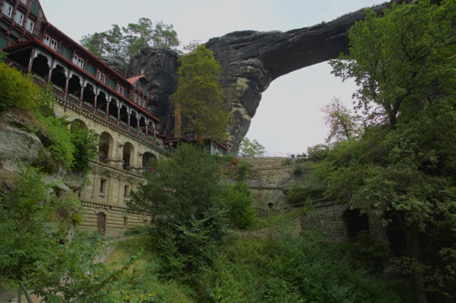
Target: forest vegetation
(394, 160)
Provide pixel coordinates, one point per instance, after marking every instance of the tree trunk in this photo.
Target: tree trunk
(414, 253)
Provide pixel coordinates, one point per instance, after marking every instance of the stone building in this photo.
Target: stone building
(91, 94)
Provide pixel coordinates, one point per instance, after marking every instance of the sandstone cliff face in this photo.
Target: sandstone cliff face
(160, 66)
(250, 61)
(19, 148)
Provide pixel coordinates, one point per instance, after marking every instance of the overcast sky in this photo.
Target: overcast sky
(289, 118)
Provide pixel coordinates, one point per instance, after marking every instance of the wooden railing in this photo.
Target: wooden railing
(68, 99)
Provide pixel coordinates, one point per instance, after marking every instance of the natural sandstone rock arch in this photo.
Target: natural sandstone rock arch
(250, 61)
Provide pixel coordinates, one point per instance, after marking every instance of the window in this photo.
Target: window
(19, 17)
(120, 89)
(7, 9)
(29, 24)
(126, 191)
(24, 2)
(53, 44)
(103, 183)
(47, 40)
(78, 61)
(135, 98)
(101, 77)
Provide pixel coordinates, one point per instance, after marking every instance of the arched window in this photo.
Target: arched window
(128, 153)
(105, 147)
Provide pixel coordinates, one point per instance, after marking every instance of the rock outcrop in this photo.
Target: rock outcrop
(19, 147)
(159, 65)
(250, 61)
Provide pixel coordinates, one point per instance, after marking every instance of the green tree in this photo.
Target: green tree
(200, 97)
(402, 169)
(236, 201)
(342, 124)
(85, 143)
(127, 41)
(251, 148)
(33, 221)
(165, 35)
(180, 196)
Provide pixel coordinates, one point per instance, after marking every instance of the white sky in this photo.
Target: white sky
(289, 117)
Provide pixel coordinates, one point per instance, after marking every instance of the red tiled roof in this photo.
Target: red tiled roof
(133, 80)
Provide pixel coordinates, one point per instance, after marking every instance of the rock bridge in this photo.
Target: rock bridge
(250, 61)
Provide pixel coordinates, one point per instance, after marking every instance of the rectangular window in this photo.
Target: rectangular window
(35, 8)
(103, 186)
(7, 9)
(126, 191)
(54, 44)
(24, 2)
(19, 17)
(29, 25)
(78, 61)
(101, 77)
(47, 40)
(120, 89)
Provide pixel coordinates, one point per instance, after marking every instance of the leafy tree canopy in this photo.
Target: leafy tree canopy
(402, 168)
(200, 97)
(127, 41)
(251, 148)
(343, 125)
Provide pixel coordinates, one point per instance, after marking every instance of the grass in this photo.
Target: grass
(286, 218)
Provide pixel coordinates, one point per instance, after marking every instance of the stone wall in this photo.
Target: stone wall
(327, 219)
(268, 178)
(106, 191)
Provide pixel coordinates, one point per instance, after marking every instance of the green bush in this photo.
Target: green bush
(57, 138)
(85, 144)
(237, 204)
(287, 268)
(32, 223)
(17, 90)
(243, 169)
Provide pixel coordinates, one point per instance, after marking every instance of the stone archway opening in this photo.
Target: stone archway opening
(76, 123)
(127, 155)
(149, 161)
(105, 147)
(355, 222)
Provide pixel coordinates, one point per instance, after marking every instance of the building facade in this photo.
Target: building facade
(93, 95)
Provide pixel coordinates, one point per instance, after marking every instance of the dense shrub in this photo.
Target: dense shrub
(17, 90)
(237, 203)
(33, 222)
(288, 268)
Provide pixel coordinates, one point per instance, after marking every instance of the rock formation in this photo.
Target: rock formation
(159, 65)
(250, 61)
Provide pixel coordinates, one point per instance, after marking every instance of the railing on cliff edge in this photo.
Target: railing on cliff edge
(23, 290)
